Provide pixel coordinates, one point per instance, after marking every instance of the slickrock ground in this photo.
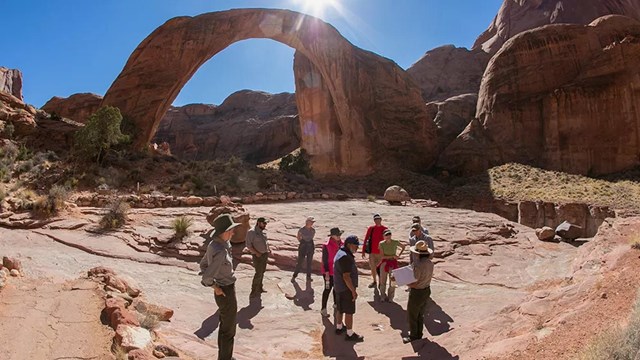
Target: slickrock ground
(45, 319)
(496, 289)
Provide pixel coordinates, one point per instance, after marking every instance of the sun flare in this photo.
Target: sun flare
(316, 7)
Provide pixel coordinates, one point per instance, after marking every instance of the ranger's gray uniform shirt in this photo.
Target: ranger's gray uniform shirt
(307, 234)
(257, 240)
(216, 265)
(423, 272)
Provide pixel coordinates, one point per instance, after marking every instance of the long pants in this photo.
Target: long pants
(260, 264)
(384, 275)
(328, 286)
(228, 307)
(416, 307)
(305, 251)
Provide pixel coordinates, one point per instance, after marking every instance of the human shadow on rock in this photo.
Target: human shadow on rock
(334, 345)
(436, 320)
(303, 298)
(208, 326)
(249, 312)
(427, 349)
(396, 314)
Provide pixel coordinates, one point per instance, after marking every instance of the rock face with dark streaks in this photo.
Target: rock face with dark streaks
(452, 116)
(449, 71)
(560, 97)
(516, 16)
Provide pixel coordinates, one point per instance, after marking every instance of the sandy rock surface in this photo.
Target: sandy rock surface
(494, 282)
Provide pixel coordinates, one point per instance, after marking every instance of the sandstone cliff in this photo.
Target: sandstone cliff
(516, 16)
(11, 82)
(77, 106)
(255, 126)
(452, 116)
(560, 97)
(449, 71)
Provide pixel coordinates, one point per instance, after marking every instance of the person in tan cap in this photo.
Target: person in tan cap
(306, 247)
(217, 272)
(258, 245)
(420, 290)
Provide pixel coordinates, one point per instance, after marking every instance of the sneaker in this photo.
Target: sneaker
(342, 330)
(408, 339)
(372, 285)
(324, 313)
(354, 337)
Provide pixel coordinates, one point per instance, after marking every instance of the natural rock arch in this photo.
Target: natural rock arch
(358, 111)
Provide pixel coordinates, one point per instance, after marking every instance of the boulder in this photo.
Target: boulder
(11, 263)
(122, 316)
(160, 312)
(395, 194)
(165, 350)
(132, 337)
(140, 354)
(568, 231)
(452, 116)
(545, 234)
(193, 201)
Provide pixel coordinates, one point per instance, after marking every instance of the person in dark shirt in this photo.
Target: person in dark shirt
(345, 276)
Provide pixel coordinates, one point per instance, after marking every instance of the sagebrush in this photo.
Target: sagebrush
(116, 215)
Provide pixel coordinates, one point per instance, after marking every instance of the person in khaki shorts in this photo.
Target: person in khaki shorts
(372, 240)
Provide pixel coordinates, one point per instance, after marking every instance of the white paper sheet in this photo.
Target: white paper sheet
(404, 275)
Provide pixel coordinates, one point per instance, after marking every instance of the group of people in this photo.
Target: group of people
(339, 272)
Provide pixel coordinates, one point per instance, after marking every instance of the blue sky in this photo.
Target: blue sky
(69, 46)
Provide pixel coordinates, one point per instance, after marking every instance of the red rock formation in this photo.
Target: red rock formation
(254, 126)
(561, 97)
(379, 108)
(77, 107)
(11, 82)
(15, 112)
(515, 17)
(452, 116)
(448, 71)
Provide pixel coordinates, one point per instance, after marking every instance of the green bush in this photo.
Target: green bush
(181, 226)
(116, 215)
(52, 204)
(8, 131)
(101, 133)
(297, 163)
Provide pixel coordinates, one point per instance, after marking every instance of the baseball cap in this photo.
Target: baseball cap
(311, 218)
(352, 239)
(386, 232)
(416, 227)
(262, 220)
(416, 218)
(377, 216)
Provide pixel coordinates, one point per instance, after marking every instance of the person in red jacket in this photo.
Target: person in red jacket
(372, 240)
(329, 250)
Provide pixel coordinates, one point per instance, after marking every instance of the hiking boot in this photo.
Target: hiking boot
(263, 291)
(341, 330)
(354, 337)
(324, 313)
(372, 285)
(408, 339)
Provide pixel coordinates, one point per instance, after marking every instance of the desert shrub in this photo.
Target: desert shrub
(181, 226)
(101, 133)
(116, 215)
(296, 163)
(9, 130)
(58, 195)
(53, 203)
(371, 198)
(620, 343)
(24, 153)
(3, 194)
(635, 245)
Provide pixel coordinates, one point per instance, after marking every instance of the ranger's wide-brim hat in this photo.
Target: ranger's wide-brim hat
(421, 247)
(223, 223)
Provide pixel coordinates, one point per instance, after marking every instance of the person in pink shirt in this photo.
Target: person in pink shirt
(329, 250)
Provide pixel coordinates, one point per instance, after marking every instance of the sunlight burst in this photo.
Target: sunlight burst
(317, 7)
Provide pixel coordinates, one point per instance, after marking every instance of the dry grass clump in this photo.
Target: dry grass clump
(181, 226)
(620, 343)
(148, 321)
(635, 242)
(521, 182)
(116, 215)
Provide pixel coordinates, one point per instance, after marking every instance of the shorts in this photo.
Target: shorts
(346, 305)
(374, 260)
